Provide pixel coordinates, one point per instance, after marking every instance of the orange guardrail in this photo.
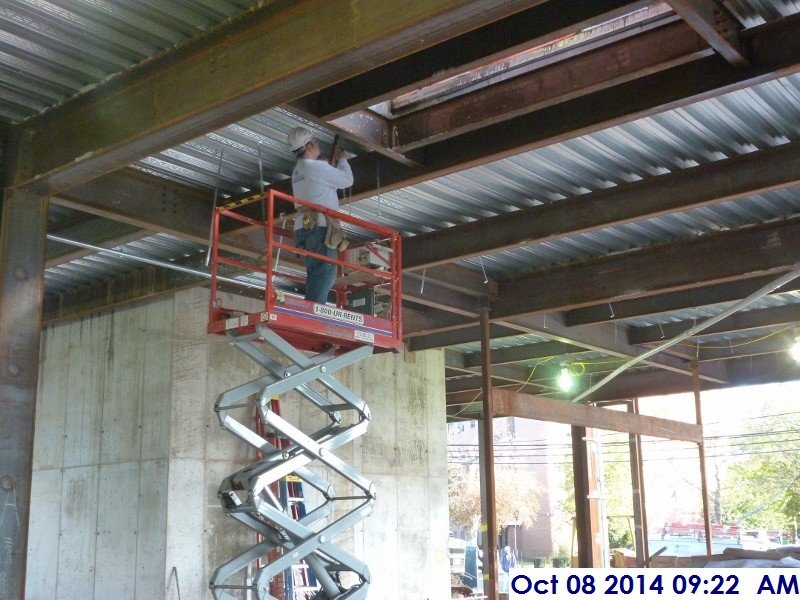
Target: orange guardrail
(253, 253)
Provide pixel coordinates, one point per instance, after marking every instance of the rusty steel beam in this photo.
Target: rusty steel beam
(573, 76)
(92, 230)
(139, 205)
(777, 49)
(434, 295)
(88, 135)
(671, 301)
(22, 250)
(505, 373)
(746, 175)
(542, 376)
(776, 53)
(430, 323)
(717, 257)
(364, 127)
(607, 339)
(538, 24)
(755, 370)
(512, 404)
(473, 384)
(775, 343)
(758, 370)
(525, 353)
(455, 336)
(456, 278)
(370, 127)
(750, 320)
(141, 200)
(717, 25)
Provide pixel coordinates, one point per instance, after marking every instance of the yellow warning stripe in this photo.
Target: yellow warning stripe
(237, 203)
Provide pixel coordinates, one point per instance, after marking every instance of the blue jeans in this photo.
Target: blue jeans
(320, 275)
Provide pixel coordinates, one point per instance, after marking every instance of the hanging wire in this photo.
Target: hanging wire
(422, 284)
(468, 404)
(485, 276)
(577, 372)
(746, 342)
(533, 370)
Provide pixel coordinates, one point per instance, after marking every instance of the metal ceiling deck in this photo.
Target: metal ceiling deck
(704, 132)
(40, 66)
(51, 50)
(698, 314)
(756, 12)
(99, 266)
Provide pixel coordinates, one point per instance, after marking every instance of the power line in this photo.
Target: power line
(646, 460)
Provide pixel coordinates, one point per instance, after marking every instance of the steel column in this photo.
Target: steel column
(637, 485)
(486, 453)
(587, 509)
(701, 447)
(642, 494)
(22, 251)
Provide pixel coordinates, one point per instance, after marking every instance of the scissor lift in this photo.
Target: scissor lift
(297, 342)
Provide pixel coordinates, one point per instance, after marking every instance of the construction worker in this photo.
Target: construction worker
(316, 181)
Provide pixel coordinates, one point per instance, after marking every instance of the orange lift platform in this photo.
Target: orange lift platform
(367, 308)
(300, 345)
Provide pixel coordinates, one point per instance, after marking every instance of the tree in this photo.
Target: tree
(762, 489)
(517, 495)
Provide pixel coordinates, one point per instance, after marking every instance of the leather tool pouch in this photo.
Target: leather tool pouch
(309, 218)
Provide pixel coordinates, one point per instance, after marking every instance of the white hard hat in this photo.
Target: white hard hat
(299, 137)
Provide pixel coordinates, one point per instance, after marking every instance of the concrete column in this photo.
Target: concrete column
(22, 241)
(129, 455)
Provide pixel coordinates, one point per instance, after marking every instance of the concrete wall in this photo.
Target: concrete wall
(128, 457)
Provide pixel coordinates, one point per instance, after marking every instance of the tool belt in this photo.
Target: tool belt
(308, 217)
(334, 236)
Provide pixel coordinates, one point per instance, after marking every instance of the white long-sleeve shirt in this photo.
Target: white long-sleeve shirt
(316, 181)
